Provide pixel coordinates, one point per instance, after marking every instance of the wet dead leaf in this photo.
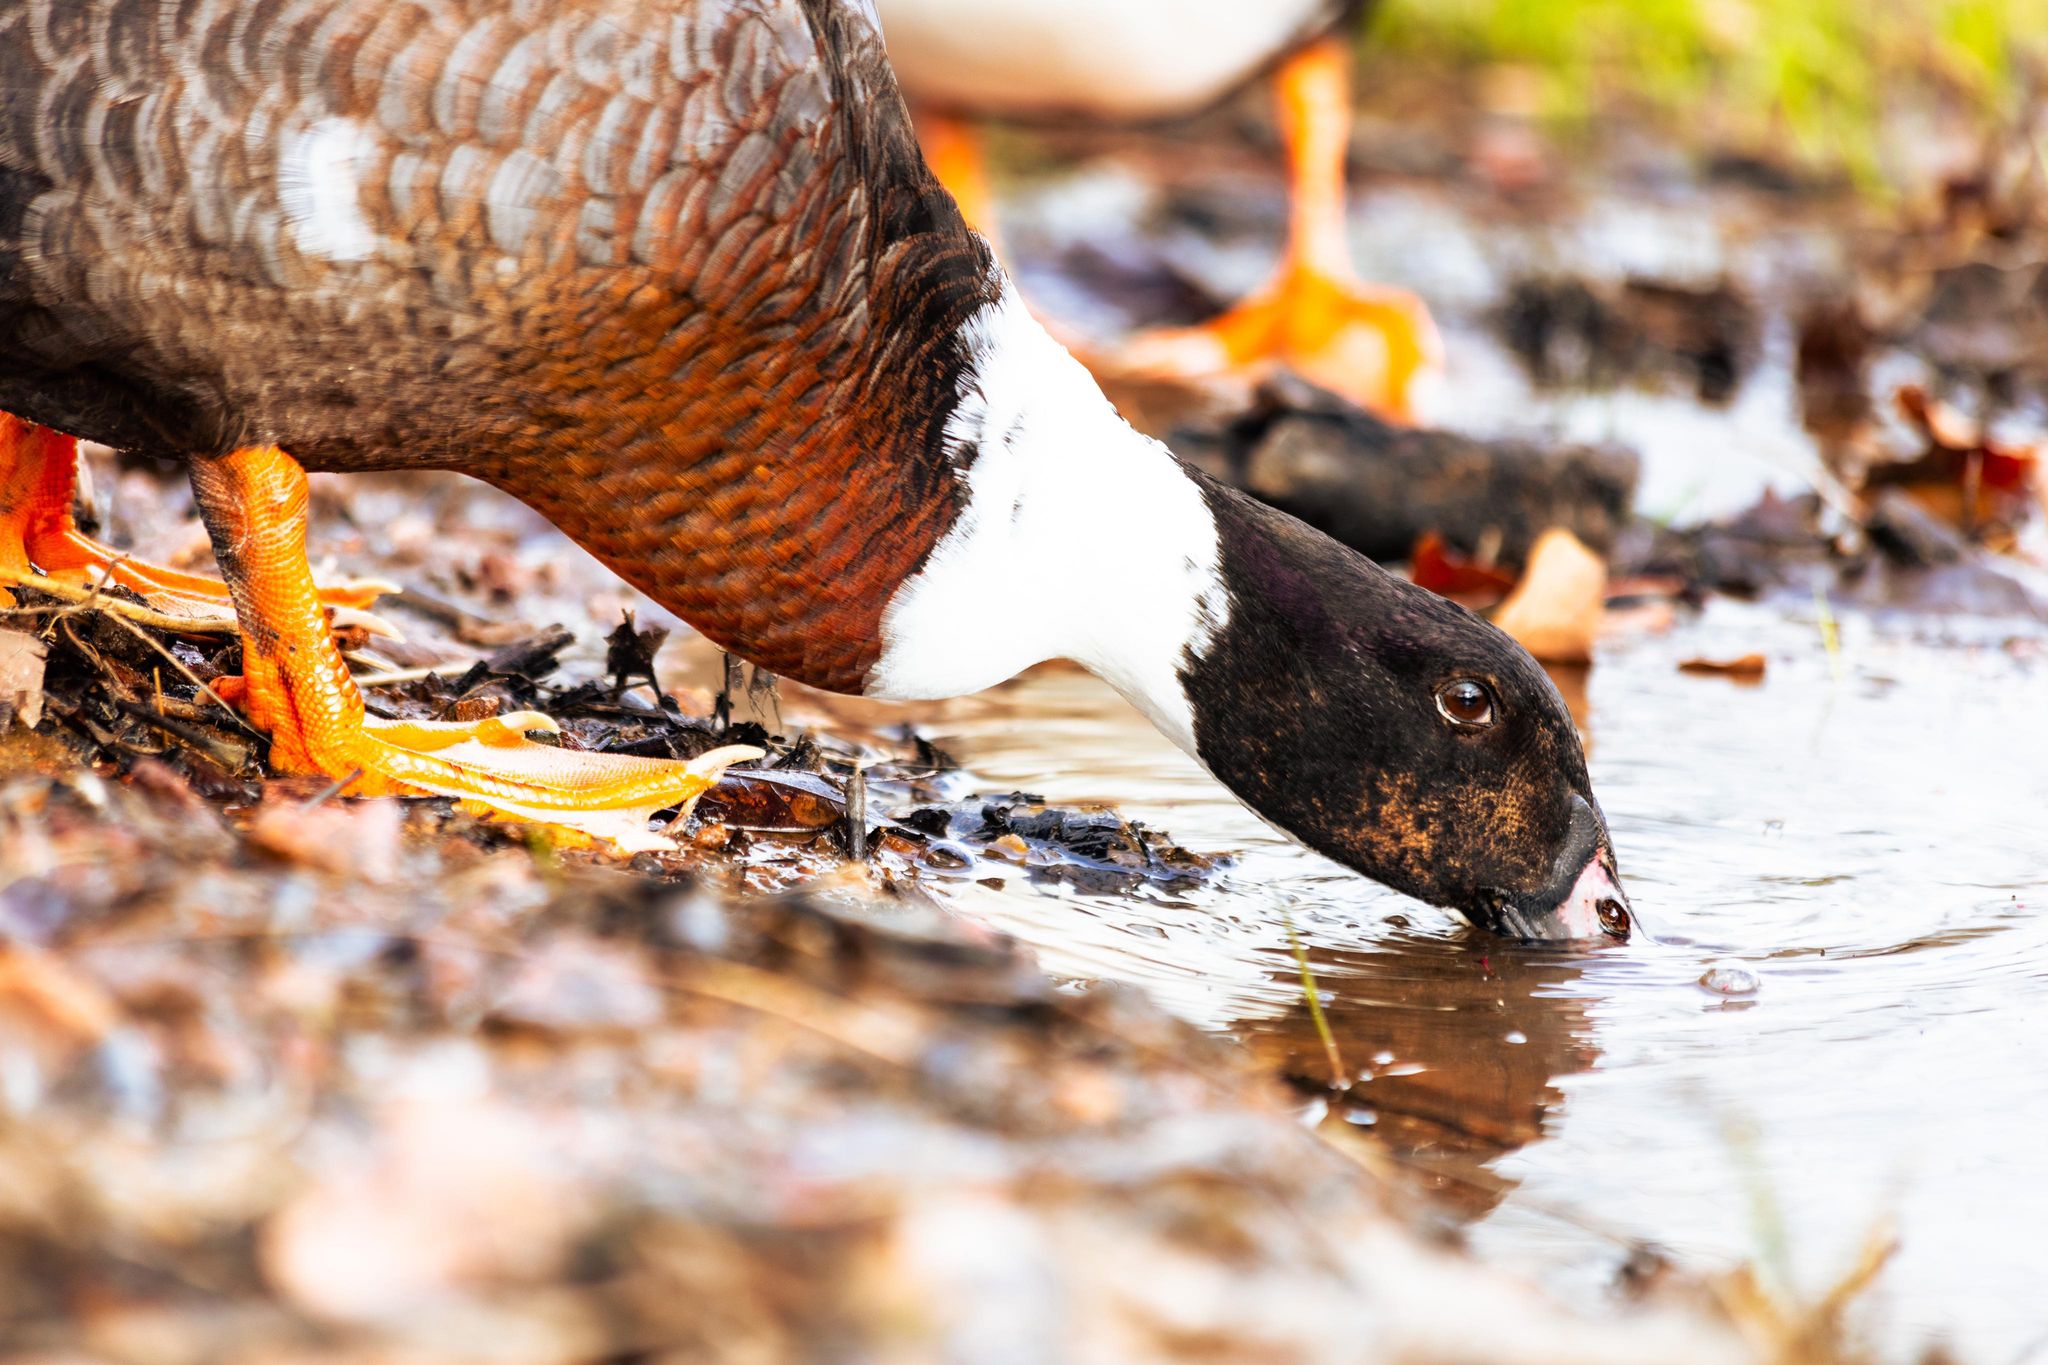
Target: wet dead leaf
(1744, 668)
(349, 838)
(1965, 476)
(1557, 610)
(1475, 582)
(629, 653)
(21, 677)
(52, 993)
(1948, 432)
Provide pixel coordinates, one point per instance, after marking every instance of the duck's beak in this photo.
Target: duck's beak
(1584, 900)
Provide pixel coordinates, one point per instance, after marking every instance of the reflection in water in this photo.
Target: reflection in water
(1450, 1047)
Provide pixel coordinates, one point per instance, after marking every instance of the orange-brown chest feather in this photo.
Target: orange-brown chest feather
(773, 496)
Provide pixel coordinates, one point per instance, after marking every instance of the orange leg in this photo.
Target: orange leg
(38, 482)
(297, 688)
(1370, 343)
(957, 157)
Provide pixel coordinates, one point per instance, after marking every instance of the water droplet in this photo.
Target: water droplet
(1728, 977)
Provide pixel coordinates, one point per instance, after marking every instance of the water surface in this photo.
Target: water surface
(1866, 833)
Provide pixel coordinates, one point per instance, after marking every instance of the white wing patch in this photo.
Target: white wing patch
(319, 182)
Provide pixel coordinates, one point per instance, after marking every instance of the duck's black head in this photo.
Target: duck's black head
(1398, 733)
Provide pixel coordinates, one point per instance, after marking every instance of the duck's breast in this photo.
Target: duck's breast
(1117, 59)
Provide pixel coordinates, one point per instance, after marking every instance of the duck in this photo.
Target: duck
(1149, 61)
(675, 274)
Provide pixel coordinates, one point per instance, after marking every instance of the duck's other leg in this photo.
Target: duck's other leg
(297, 688)
(1374, 344)
(39, 533)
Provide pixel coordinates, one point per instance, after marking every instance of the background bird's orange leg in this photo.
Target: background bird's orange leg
(297, 688)
(1371, 343)
(955, 152)
(38, 483)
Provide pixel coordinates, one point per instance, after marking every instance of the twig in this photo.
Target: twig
(175, 662)
(330, 791)
(183, 733)
(393, 676)
(857, 814)
(92, 599)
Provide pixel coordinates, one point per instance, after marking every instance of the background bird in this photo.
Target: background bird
(1145, 60)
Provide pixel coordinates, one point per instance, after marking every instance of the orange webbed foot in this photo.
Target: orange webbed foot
(296, 687)
(1373, 344)
(494, 769)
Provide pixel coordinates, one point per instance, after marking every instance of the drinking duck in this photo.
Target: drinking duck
(676, 275)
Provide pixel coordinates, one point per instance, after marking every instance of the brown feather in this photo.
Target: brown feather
(672, 273)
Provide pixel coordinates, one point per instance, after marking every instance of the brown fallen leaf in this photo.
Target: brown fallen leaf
(21, 677)
(54, 994)
(1556, 611)
(1953, 440)
(342, 838)
(1965, 475)
(1436, 566)
(1746, 668)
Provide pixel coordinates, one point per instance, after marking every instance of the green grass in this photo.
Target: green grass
(1822, 73)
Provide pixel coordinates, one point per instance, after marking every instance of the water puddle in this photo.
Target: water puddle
(1868, 844)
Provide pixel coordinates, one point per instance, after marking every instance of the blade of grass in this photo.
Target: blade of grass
(1830, 632)
(1340, 1078)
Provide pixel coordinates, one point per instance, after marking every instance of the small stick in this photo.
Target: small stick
(763, 696)
(393, 676)
(92, 599)
(721, 709)
(857, 813)
(330, 791)
(184, 734)
(175, 662)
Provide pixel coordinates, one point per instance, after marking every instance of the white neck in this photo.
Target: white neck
(1080, 539)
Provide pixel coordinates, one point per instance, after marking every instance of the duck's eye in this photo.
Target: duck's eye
(1614, 919)
(1466, 703)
